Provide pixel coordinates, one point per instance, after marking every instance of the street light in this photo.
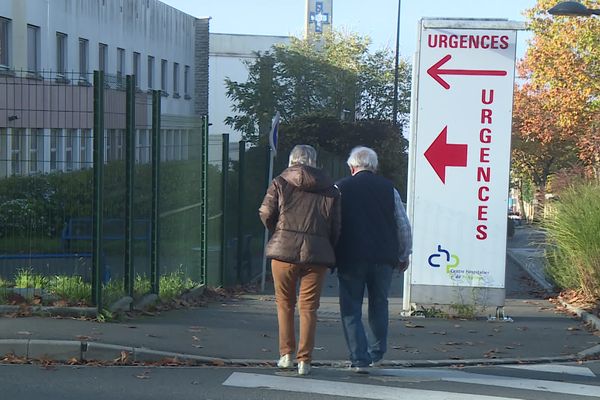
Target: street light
(395, 107)
(573, 9)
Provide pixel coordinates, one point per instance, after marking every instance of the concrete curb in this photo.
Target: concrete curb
(534, 273)
(89, 312)
(65, 350)
(584, 315)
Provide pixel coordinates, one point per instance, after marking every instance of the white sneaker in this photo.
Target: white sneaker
(360, 370)
(303, 368)
(376, 364)
(285, 361)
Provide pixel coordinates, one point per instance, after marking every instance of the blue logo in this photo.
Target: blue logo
(443, 257)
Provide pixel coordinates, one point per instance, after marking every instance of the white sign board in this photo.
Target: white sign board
(460, 153)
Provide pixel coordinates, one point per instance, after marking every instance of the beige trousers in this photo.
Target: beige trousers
(285, 278)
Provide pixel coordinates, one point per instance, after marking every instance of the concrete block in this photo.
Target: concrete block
(121, 305)
(145, 302)
(59, 350)
(104, 352)
(17, 347)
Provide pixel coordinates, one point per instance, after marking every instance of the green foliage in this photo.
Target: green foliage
(70, 288)
(141, 285)
(174, 284)
(26, 278)
(338, 138)
(464, 311)
(573, 232)
(335, 76)
(432, 312)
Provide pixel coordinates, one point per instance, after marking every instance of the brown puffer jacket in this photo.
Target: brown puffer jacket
(302, 211)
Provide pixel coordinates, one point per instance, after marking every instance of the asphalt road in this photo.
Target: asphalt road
(545, 382)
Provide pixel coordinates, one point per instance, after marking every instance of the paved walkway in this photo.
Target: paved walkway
(244, 330)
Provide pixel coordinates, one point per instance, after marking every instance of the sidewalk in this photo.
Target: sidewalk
(244, 331)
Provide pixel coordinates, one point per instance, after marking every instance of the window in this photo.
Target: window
(120, 67)
(175, 79)
(54, 148)
(36, 148)
(16, 147)
(33, 48)
(4, 42)
(150, 72)
(84, 146)
(186, 81)
(69, 139)
(102, 53)
(61, 53)
(83, 58)
(163, 76)
(137, 70)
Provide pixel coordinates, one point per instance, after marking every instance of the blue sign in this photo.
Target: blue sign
(318, 17)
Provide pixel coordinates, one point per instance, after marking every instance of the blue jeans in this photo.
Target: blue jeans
(365, 348)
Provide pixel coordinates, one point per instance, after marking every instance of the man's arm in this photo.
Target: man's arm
(404, 232)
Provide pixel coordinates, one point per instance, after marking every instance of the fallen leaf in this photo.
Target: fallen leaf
(438, 333)
(24, 333)
(573, 328)
(198, 346)
(411, 325)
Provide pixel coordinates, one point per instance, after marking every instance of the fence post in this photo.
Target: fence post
(224, 194)
(240, 211)
(98, 212)
(129, 176)
(154, 240)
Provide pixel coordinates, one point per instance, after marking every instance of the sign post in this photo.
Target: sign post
(459, 161)
(273, 139)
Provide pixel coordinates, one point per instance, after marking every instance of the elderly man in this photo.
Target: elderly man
(375, 239)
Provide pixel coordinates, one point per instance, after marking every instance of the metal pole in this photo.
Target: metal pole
(224, 195)
(154, 241)
(98, 216)
(266, 237)
(240, 213)
(129, 174)
(395, 111)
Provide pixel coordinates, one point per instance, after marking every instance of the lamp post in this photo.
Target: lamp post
(573, 9)
(395, 108)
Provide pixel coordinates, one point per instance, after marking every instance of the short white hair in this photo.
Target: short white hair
(303, 154)
(363, 158)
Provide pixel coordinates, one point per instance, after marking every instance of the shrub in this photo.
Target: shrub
(573, 231)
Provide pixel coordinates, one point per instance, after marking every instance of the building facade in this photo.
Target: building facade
(48, 52)
(228, 58)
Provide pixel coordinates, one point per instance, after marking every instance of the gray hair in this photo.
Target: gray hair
(363, 158)
(303, 154)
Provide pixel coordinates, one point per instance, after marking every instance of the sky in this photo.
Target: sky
(375, 18)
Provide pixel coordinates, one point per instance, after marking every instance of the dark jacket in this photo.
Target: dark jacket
(302, 211)
(369, 231)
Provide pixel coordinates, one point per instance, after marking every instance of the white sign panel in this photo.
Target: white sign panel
(460, 153)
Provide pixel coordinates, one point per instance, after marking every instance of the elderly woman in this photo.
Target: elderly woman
(302, 211)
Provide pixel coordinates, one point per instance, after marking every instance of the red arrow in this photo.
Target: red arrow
(435, 71)
(441, 154)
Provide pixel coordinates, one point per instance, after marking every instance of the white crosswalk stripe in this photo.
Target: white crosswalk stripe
(416, 375)
(353, 390)
(555, 368)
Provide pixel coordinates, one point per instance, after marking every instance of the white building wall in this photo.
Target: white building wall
(148, 27)
(227, 55)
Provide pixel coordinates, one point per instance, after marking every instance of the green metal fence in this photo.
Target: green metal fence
(99, 198)
(102, 195)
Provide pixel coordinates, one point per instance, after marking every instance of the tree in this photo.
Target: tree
(335, 75)
(562, 65)
(330, 135)
(539, 147)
